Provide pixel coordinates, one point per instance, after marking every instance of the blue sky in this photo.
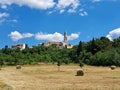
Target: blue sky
(36, 21)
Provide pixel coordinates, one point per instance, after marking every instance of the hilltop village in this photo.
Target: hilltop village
(100, 51)
(61, 45)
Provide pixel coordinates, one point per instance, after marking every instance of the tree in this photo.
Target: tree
(1, 62)
(116, 42)
(79, 49)
(6, 50)
(92, 47)
(73, 55)
(103, 43)
(81, 64)
(59, 64)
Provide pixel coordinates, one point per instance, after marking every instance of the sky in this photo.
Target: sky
(37, 21)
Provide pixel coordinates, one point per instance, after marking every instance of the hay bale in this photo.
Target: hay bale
(80, 73)
(18, 67)
(113, 67)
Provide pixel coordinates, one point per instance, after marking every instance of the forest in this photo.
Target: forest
(98, 52)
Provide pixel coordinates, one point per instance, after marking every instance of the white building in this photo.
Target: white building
(22, 46)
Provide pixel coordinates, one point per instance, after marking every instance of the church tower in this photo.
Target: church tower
(65, 37)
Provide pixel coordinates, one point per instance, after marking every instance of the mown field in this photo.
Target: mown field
(47, 77)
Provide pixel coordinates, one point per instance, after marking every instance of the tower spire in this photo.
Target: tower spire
(65, 37)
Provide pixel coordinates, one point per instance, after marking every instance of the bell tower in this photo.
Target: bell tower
(65, 37)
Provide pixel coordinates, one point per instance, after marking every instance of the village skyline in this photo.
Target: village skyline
(37, 21)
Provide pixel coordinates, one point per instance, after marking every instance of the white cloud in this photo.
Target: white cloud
(4, 6)
(55, 36)
(27, 35)
(3, 17)
(49, 37)
(73, 36)
(62, 11)
(71, 11)
(15, 36)
(94, 1)
(66, 3)
(84, 13)
(61, 5)
(72, 4)
(14, 21)
(58, 37)
(50, 12)
(38, 4)
(114, 34)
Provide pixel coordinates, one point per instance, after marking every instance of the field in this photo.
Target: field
(47, 77)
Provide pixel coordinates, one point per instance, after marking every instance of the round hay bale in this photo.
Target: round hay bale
(80, 73)
(18, 67)
(113, 67)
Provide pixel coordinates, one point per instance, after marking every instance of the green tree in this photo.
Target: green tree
(80, 48)
(116, 42)
(103, 43)
(6, 50)
(92, 47)
(1, 61)
(59, 64)
(81, 64)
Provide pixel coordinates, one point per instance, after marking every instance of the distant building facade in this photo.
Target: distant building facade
(51, 43)
(22, 46)
(63, 44)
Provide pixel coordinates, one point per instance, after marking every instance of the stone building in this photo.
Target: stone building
(63, 44)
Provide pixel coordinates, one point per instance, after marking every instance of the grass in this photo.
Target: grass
(4, 86)
(47, 77)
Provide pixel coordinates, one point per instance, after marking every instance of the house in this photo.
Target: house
(22, 46)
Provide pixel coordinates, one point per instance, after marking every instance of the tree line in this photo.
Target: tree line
(98, 52)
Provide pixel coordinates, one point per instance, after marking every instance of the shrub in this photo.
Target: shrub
(81, 64)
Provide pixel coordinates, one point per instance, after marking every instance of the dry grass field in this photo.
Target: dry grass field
(47, 77)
